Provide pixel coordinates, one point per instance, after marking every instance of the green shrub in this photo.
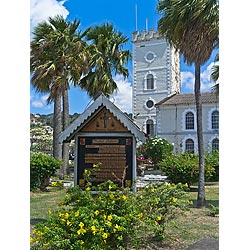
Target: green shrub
(184, 168)
(42, 167)
(212, 159)
(214, 210)
(110, 218)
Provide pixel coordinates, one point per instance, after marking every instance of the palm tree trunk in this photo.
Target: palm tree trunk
(65, 125)
(57, 128)
(201, 201)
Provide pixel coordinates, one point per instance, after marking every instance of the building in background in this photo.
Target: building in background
(159, 107)
(176, 121)
(156, 74)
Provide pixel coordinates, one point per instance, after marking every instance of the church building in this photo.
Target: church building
(159, 107)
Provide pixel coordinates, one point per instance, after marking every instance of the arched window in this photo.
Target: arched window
(189, 120)
(215, 119)
(150, 127)
(189, 146)
(215, 144)
(150, 81)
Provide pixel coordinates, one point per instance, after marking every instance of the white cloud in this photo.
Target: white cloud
(40, 101)
(41, 10)
(187, 80)
(123, 97)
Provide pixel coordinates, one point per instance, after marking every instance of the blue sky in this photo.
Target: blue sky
(122, 14)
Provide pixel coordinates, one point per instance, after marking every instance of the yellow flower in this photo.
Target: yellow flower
(152, 190)
(109, 223)
(53, 183)
(110, 187)
(174, 199)
(69, 223)
(81, 225)
(169, 185)
(77, 213)
(39, 233)
(104, 216)
(77, 200)
(81, 231)
(124, 197)
(94, 230)
(32, 239)
(117, 227)
(96, 212)
(87, 188)
(111, 196)
(110, 217)
(104, 235)
(158, 217)
(140, 215)
(61, 215)
(49, 211)
(66, 216)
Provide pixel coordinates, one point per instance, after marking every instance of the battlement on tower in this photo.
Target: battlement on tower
(145, 35)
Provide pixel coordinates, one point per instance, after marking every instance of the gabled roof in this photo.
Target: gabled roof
(101, 101)
(176, 99)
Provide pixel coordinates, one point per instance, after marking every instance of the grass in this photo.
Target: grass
(195, 223)
(41, 202)
(181, 232)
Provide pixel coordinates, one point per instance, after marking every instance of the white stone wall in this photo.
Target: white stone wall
(171, 121)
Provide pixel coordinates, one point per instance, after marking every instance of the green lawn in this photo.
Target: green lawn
(196, 223)
(181, 232)
(41, 202)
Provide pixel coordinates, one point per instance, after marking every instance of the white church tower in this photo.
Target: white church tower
(156, 75)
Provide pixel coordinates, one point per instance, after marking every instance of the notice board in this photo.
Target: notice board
(114, 153)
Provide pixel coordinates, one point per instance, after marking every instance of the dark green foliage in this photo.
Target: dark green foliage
(42, 167)
(213, 161)
(184, 168)
(214, 210)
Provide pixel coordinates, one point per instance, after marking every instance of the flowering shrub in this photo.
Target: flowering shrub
(110, 219)
(42, 167)
(153, 150)
(58, 184)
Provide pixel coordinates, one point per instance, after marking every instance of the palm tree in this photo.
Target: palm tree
(106, 59)
(192, 27)
(215, 74)
(58, 57)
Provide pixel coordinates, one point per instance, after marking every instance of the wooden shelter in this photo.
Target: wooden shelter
(104, 134)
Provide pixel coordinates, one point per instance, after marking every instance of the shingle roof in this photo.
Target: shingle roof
(206, 97)
(101, 101)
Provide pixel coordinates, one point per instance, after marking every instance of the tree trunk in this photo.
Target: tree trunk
(57, 128)
(65, 125)
(201, 201)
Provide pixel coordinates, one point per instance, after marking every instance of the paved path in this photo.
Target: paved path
(205, 244)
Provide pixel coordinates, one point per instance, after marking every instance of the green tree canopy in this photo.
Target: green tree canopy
(106, 59)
